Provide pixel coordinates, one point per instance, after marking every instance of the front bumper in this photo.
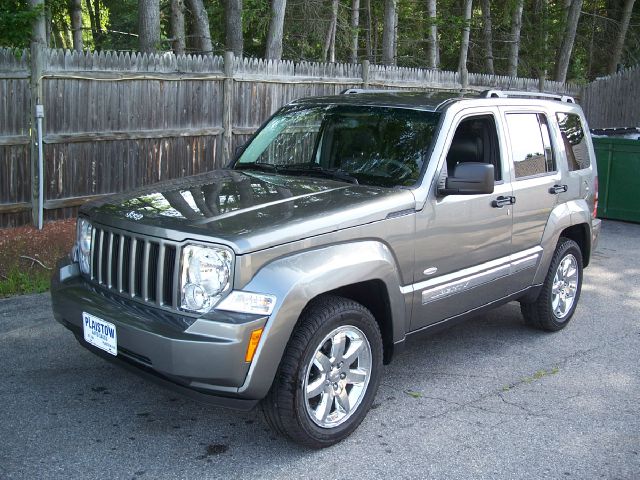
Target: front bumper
(199, 356)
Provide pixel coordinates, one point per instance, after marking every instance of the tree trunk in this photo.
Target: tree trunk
(514, 46)
(487, 37)
(276, 28)
(96, 23)
(368, 45)
(177, 26)
(148, 25)
(434, 50)
(565, 10)
(76, 24)
(592, 35)
(56, 35)
(542, 39)
(389, 33)
(233, 27)
(564, 53)
(329, 52)
(464, 43)
(622, 34)
(355, 26)
(201, 26)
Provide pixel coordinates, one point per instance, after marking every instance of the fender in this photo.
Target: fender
(573, 212)
(297, 279)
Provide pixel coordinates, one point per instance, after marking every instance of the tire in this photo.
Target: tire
(560, 292)
(331, 332)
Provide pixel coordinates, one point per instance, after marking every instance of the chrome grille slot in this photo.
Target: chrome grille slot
(142, 268)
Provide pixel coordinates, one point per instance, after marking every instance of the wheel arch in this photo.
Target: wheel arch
(580, 234)
(570, 220)
(359, 271)
(373, 295)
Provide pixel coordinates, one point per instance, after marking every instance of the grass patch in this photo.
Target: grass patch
(413, 394)
(28, 256)
(536, 376)
(19, 282)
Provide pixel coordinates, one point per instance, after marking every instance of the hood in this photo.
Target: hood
(247, 211)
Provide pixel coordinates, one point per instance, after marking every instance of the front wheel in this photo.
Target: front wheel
(329, 374)
(560, 292)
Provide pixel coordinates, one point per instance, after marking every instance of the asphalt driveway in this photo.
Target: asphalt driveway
(486, 399)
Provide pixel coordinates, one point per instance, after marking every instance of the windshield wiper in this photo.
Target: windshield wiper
(265, 167)
(334, 173)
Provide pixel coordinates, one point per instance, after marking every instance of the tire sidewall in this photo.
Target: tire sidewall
(566, 248)
(369, 328)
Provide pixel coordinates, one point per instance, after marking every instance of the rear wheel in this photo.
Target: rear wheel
(329, 374)
(560, 292)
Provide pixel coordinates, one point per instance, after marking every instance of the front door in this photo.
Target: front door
(463, 242)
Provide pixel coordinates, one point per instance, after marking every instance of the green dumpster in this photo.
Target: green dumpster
(618, 178)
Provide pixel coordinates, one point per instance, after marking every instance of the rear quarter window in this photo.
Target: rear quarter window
(574, 140)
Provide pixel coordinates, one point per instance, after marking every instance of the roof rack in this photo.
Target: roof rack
(350, 91)
(523, 94)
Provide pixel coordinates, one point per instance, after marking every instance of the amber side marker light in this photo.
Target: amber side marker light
(253, 344)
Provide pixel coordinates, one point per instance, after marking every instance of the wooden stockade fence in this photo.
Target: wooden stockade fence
(115, 121)
(613, 101)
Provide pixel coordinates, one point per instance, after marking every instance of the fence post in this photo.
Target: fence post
(365, 74)
(227, 108)
(38, 44)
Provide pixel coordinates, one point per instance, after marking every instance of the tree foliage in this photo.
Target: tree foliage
(307, 22)
(16, 17)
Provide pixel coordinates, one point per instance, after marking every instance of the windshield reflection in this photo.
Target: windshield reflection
(221, 197)
(379, 146)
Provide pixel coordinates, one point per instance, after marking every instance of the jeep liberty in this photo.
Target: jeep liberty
(346, 224)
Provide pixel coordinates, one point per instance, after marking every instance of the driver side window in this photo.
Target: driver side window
(475, 140)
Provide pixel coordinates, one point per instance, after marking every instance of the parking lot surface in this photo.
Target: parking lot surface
(489, 398)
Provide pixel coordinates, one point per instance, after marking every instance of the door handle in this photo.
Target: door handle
(501, 201)
(558, 189)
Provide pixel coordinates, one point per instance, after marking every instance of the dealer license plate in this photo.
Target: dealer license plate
(99, 333)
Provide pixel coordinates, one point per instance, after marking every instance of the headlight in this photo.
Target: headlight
(83, 243)
(206, 276)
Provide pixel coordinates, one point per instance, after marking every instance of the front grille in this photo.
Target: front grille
(140, 267)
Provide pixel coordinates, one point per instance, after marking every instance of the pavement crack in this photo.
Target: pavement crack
(524, 409)
(461, 375)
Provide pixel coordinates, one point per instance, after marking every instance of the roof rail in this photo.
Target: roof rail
(523, 94)
(350, 91)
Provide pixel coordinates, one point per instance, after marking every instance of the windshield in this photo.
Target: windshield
(368, 145)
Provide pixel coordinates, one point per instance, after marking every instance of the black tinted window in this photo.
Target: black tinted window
(574, 140)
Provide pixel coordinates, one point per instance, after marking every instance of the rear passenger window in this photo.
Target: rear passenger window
(530, 144)
(574, 140)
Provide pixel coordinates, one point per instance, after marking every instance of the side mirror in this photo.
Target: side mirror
(469, 178)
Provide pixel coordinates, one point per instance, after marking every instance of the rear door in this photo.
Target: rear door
(536, 180)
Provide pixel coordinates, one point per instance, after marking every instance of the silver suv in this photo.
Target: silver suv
(345, 225)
